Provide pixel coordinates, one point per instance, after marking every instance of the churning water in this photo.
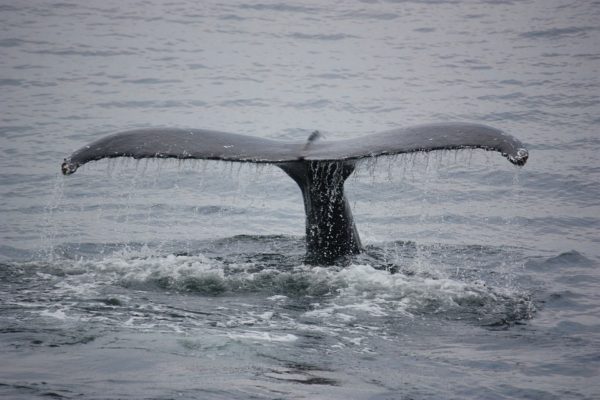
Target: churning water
(164, 279)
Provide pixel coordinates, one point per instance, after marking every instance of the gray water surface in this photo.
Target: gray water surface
(165, 279)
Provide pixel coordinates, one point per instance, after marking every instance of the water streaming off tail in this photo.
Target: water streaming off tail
(208, 200)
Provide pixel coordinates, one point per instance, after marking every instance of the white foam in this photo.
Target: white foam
(346, 296)
(277, 297)
(58, 314)
(266, 316)
(262, 336)
(364, 291)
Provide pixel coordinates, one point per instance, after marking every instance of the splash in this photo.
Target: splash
(342, 295)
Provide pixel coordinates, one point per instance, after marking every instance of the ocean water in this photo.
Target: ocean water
(185, 280)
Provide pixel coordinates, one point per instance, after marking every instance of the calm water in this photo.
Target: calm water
(161, 280)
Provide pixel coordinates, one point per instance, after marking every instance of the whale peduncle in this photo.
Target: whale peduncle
(330, 231)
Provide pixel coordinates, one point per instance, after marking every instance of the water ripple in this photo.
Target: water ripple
(83, 53)
(321, 36)
(555, 33)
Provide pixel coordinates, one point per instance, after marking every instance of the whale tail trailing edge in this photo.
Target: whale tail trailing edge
(319, 167)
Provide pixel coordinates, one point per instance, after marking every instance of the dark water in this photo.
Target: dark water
(163, 280)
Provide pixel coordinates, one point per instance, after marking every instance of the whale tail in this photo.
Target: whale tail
(319, 167)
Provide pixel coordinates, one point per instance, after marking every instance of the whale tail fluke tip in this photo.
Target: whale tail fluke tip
(520, 157)
(68, 168)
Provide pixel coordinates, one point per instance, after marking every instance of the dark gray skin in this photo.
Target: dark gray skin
(330, 230)
(319, 167)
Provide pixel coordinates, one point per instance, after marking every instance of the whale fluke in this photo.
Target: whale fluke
(319, 167)
(443, 136)
(183, 144)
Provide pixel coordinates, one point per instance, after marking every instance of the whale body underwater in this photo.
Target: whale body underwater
(319, 167)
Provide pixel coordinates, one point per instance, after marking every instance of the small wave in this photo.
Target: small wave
(262, 336)
(195, 66)
(150, 81)
(11, 82)
(567, 259)
(559, 32)
(311, 104)
(320, 36)
(149, 104)
(232, 17)
(58, 314)
(279, 7)
(15, 42)
(244, 103)
(83, 53)
(424, 30)
(367, 14)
